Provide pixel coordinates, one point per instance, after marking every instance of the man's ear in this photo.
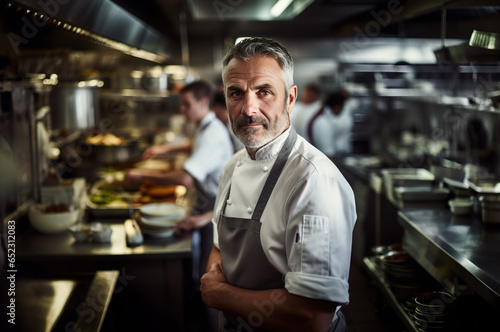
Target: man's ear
(206, 101)
(292, 98)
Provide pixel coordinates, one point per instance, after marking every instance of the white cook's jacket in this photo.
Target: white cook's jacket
(307, 225)
(332, 133)
(212, 149)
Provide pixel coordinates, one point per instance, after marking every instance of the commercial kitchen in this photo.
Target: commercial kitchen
(87, 86)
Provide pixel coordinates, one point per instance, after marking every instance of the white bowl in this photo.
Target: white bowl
(51, 222)
(100, 233)
(81, 232)
(460, 206)
(166, 210)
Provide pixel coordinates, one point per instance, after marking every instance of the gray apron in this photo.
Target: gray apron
(240, 245)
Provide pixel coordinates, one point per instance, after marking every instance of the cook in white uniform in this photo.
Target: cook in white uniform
(211, 150)
(305, 109)
(284, 214)
(330, 128)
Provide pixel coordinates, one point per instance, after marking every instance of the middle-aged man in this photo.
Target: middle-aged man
(284, 214)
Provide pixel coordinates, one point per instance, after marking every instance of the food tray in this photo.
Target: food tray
(125, 204)
(418, 194)
(406, 177)
(485, 186)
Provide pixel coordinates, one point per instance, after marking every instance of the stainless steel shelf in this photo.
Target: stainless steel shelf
(371, 267)
(461, 253)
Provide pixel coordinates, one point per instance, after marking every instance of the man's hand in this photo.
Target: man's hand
(211, 283)
(155, 151)
(136, 175)
(194, 221)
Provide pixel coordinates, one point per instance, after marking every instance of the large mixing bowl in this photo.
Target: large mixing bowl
(51, 222)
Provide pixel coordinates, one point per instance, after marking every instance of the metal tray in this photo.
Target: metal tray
(123, 209)
(485, 186)
(406, 176)
(419, 194)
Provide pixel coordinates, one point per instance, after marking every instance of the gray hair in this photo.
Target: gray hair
(250, 47)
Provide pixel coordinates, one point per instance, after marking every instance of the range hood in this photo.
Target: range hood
(257, 10)
(100, 21)
(482, 47)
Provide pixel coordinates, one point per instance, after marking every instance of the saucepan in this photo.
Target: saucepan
(109, 148)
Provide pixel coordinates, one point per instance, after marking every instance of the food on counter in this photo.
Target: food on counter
(103, 197)
(106, 139)
(51, 221)
(151, 193)
(105, 202)
(158, 190)
(56, 208)
(167, 164)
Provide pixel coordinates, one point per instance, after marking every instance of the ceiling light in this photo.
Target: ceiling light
(279, 7)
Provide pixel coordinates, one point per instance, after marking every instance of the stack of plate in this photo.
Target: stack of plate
(433, 311)
(159, 219)
(403, 274)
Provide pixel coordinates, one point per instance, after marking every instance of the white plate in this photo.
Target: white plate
(162, 234)
(160, 221)
(170, 210)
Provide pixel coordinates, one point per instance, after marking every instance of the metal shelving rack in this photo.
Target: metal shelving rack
(370, 265)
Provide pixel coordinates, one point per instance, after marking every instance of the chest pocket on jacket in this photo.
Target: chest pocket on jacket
(312, 242)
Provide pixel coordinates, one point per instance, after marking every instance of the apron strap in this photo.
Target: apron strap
(310, 125)
(274, 174)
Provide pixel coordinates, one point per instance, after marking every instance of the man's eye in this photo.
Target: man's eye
(236, 94)
(265, 92)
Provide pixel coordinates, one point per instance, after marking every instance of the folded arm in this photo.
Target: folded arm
(276, 309)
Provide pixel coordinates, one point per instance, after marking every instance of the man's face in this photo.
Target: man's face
(190, 107)
(256, 101)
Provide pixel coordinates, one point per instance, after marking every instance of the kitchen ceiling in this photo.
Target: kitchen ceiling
(181, 22)
(320, 18)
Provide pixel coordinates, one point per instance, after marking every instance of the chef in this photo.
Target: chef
(284, 214)
(211, 150)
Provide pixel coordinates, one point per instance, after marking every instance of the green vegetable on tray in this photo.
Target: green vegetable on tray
(103, 197)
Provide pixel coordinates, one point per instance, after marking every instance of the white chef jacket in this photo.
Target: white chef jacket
(212, 149)
(307, 225)
(301, 115)
(332, 133)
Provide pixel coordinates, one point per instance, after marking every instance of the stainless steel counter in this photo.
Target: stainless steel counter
(34, 245)
(152, 280)
(46, 305)
(461, 253)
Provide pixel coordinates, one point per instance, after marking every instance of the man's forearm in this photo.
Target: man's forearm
(180, 177)
(275, 309)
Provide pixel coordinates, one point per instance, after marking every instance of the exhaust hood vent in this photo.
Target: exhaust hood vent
(482, 47)
(100, 21)
(488, 40)
(255, 10)
(463, 53)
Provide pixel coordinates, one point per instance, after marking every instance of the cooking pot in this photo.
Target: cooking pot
(110, 154)
(73, 107)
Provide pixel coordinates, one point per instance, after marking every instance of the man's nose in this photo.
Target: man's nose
(250, 104)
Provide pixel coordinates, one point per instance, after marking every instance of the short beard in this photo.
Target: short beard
(271, 130)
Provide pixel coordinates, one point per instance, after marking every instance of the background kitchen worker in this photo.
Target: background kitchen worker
(310, 102)
(330, 128)
(211, 149)
(284, 214)
(220, 109)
